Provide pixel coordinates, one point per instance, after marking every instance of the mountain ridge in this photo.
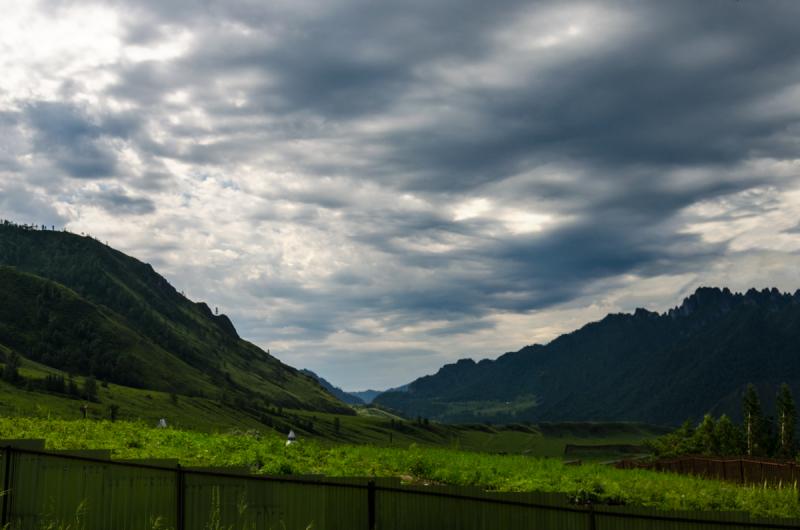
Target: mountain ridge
(641, 366)
(205, 354)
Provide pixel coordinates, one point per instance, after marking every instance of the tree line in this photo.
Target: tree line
(52, 383)
(758, 435)
(44, 228)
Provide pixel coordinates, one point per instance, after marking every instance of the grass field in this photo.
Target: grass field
(133, 403)
(369, 426)
(266, 453)
(375, 427)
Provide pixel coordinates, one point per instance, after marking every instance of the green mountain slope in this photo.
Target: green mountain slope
(73, 303)
(45, 321)
(649, 367)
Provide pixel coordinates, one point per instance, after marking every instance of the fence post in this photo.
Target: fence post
(371, 505)
(592, 522)
(181, 499)
(6, 487)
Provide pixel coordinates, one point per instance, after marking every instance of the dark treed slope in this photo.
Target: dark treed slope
(335, 390)
(45, 321)
(73, 303)
(649, 367)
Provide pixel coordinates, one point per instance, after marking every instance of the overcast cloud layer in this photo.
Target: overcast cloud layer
(372, 189)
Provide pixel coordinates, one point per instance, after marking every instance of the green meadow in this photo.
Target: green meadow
(368, 426)
(266, 453)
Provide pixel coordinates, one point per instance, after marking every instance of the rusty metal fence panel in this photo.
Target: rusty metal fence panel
(779, 473)
(733, 471)
(740, 470)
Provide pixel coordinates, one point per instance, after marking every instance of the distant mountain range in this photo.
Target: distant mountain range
(347, 397)
(646, 366)
(72, 303)
(361, 397)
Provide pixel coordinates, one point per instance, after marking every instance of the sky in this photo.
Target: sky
(372, 189)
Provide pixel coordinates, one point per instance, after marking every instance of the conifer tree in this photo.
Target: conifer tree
(706, 436)
(751, 412)
(729, 437)
(786, 416)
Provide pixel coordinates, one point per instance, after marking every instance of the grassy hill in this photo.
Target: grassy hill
(648, 367)
(32, 400)
(370, 426)
(69, 302)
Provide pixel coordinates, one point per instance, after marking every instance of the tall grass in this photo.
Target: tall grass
(266, 453)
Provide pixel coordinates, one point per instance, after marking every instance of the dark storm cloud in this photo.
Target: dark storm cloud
(9, 122)
(119, 203)
(657, 115)
(622, 106)
(152, 181)
(73, 141)
(639, 100)
(533, 272)
(366, 125)
(647, 98)
(562, 260)
(514, 274)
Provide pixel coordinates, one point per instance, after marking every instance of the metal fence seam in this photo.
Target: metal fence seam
(6, 486)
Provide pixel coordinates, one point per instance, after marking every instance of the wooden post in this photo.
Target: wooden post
(6, 516)
(371, 505)
(592, 521)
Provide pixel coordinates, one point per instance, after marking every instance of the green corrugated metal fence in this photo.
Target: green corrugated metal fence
(259, 503)
(51, 490)
(413, 508)
(73, 492)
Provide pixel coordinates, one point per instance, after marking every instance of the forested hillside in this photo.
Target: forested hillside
(646, 366)
(73, 303)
